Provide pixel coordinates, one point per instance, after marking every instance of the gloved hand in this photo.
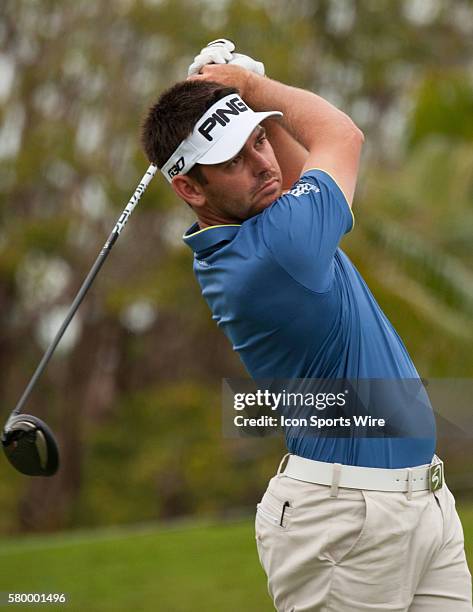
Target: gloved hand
(220, 51)
(216, 52)
(247, 62)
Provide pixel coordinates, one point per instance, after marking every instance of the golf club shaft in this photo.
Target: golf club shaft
(87, 283)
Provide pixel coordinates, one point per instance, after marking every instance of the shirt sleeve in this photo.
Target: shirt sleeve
(303, 227)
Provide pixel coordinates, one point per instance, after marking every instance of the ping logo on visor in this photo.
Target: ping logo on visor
(217, 136)
(235, 106)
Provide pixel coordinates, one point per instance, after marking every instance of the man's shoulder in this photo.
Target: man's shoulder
(312, 182)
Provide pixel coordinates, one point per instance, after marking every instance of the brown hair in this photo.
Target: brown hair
(172, 118)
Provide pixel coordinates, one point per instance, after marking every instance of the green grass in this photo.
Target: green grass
(182, 569)
(187, 568)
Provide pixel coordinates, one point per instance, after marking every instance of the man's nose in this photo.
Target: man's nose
(260, 163)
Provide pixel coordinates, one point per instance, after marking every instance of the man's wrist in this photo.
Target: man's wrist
(250, 84)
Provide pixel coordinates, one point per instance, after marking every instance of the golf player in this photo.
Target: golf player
(346, 524)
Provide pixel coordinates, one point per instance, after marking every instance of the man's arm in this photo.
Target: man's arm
(333, 142)
(291, 155)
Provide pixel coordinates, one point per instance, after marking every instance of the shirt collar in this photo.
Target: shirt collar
(202, 239)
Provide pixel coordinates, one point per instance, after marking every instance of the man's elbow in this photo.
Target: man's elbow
(344, 129)
(352, 135)
(359, 135)
(353, 131)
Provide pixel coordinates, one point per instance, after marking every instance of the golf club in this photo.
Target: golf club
(28, 443)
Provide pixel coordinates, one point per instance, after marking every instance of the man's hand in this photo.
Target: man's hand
(216, 52)
(220, 51)
(229, 75)
(247, 62)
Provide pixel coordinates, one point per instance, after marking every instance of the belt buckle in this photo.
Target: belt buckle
(436, 477)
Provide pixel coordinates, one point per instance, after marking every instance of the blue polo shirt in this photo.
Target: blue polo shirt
(293, 305)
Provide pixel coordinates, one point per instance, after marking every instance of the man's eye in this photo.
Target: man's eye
(261, 140)
(234, 161)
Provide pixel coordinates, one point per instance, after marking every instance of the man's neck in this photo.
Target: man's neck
(204, 221)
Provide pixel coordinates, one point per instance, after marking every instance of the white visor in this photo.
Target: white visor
(217, 136)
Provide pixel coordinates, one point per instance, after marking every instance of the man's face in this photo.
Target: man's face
(246, 184)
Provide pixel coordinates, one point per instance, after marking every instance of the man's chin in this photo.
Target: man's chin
(264, 201)
(267, 199)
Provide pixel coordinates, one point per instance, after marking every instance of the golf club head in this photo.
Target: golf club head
(30, 446)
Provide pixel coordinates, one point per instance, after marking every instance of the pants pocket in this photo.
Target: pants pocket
(272, 522)
(275, 510)
(372, 568)
(345, 528)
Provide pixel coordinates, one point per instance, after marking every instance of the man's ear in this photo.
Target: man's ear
(189, 190)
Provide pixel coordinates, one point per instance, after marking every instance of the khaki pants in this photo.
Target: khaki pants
(362, 550)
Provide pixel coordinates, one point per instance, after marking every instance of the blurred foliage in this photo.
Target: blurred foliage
(443, 106)
(135, 399)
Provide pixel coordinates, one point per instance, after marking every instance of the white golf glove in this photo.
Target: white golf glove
(220, 51)
(247, 62)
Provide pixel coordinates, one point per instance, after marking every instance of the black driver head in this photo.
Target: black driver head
(30, 446)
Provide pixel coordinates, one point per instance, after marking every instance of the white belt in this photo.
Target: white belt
(419, 478)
